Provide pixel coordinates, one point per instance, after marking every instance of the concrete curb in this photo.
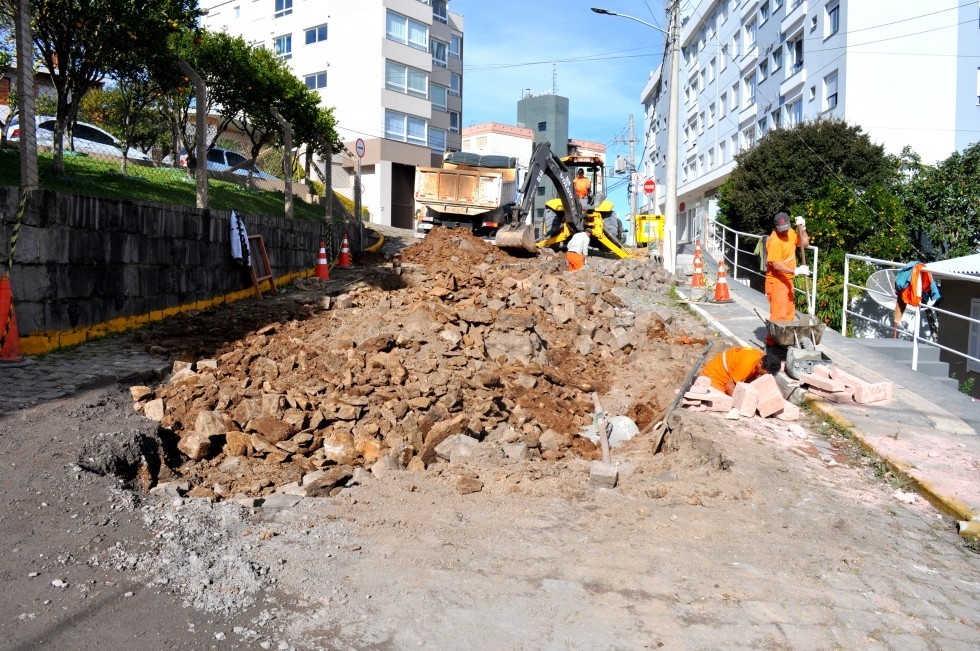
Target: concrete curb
(945, 503)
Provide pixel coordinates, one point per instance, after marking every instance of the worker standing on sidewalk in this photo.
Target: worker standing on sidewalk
(781, 268)
(577, 251)
(734, 365)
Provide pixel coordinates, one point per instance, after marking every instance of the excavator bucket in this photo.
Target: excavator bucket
(516, 237)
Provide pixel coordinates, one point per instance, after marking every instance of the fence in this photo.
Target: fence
(932, 313)
(726, 243)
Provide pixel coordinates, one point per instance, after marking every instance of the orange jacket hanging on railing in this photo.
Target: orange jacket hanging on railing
(914, 282)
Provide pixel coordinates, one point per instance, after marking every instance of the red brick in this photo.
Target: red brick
(840, 397)
(845, 377)
(702, 381)
(789, 412)
(821, 370)
(822, 382)
(745, 398)
(867, 392)
(699, 388)
(770, 397)
(720, 403)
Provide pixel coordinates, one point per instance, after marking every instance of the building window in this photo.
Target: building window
(440, 11)
(407, 31)
(722, 153)
(542, 126)
(455, 46)
(541, 190)
(402, 79)
(711, 69)
(711, 160)
(735, 149)
(405, 128)
(735, 96)
(763, 70)
(237, 11)
(283, 8)
(437, 94)
(794, 113)
(751, 32)
(455, 84)
(701, 122)
(763, 123)
(777, 59)
(830, 91)
(763, 12)
(316, 34)
(711, 115)
(748, 138)
(316, 81)
(437, 140)
(282, 46)
(796, 53)
(722, 105)
(454, 121)
(481, 142)
(439, 51)
(777, 5)
(776, 119)
(750, 89)
(832, 25)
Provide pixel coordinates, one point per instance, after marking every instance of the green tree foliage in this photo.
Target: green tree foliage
(81, 41)
(943, 204)
(788, 166)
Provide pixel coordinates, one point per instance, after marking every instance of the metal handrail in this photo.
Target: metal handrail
(917, 314)
(717, 242)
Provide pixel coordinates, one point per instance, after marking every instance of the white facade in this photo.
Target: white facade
(500, 139)
(893, 67)
(392, 71)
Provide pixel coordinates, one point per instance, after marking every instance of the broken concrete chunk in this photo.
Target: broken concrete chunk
(603, 474)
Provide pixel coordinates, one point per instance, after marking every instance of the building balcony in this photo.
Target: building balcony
(796, 79)
(795, 12)
(748, 113)
(749, 59)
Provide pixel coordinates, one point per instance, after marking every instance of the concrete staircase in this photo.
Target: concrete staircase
(900, 350)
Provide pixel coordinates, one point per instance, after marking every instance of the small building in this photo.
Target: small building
(959, 280)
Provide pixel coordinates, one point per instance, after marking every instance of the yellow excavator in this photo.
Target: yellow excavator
(565, 214)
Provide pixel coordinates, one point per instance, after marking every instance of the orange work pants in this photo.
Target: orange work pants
(782, 304)
(575, 260)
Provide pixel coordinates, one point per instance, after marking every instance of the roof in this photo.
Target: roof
(967, 265)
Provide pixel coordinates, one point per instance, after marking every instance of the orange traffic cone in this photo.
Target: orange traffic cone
(344, 260)
(9, 339)
(322, 269)
(721, 286)
(697, 280)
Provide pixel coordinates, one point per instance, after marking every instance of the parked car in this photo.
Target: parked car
(221, 160)
(88, 138)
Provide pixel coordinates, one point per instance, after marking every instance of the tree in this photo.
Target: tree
(81, 41)
(943, 204)
(789, 166)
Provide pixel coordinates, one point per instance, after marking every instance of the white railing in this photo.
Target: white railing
(916, 334)
(725, 243)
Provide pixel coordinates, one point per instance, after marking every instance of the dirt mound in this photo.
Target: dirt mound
(475, 343)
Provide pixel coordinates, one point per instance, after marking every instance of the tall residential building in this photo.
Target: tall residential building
(391, 70)
(903, 70)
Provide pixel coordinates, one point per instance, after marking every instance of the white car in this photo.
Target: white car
(88, 138)
(221, 160)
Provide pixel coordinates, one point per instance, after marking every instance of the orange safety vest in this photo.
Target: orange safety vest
(582, 185)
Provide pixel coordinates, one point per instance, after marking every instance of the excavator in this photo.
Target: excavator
(569, 215)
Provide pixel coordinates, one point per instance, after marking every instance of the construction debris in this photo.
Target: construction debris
(472, 348)
(762, 396)
(835, 385)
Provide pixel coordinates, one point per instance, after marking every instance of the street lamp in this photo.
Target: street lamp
(670, 209)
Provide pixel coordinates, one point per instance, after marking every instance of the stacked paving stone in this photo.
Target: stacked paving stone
(761, 397)
(498, 354)
(835, 385)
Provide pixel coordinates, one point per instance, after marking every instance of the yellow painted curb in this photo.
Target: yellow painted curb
(40, 342)
(945, 503)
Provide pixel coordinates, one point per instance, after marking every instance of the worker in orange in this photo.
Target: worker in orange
(582, 185)
(577, 251)
(734, 365)
(781, 247)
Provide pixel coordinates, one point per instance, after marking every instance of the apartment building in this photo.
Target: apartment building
(391, 70)
(904, 70)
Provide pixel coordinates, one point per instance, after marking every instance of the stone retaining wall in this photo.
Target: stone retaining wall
(83, 263)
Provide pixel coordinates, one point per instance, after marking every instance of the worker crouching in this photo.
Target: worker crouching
(577, 251)
(734, 365)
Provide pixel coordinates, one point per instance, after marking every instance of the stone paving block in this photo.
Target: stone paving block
(809, 379)
(865, 393)
(745, 399)
(770, 396)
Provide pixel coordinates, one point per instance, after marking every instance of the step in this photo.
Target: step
(900, 349)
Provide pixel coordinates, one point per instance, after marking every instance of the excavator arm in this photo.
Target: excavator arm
(518, 233)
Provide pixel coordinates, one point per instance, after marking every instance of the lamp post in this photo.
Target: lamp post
(670, 209)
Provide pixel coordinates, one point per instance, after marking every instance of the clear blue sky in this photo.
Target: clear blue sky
(602, 64)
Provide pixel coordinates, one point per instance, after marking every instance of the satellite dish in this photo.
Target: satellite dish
(881, 288)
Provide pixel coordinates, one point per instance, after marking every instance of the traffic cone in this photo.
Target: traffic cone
(322, 269)
(344, 260)
(9, 339)
(721, 286)
(697, 280)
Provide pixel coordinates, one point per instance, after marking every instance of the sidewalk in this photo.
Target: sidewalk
(928, 432)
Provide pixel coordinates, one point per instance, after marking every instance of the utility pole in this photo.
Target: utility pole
(670, 210)
(633, 194)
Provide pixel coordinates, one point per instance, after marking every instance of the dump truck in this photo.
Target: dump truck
(472, 191)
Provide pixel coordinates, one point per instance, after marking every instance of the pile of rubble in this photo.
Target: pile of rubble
(476, 343)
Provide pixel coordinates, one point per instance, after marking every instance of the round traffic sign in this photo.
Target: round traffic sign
(359, 148)
(649, 186)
